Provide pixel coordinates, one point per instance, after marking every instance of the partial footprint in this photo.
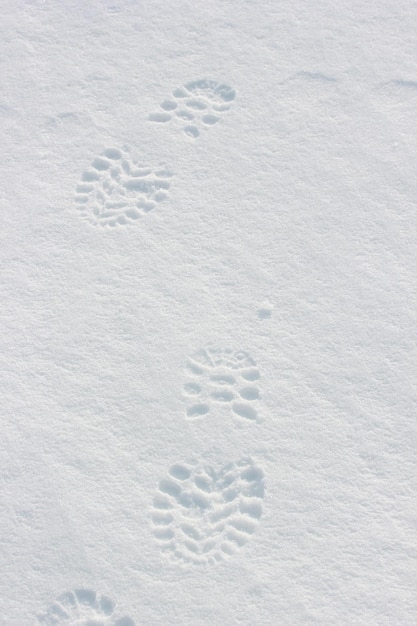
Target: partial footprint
(221, 377)
(196, 106)
(203, 515)
(83, 607)
(114, 191)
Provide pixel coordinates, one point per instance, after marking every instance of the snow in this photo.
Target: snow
(208, 321)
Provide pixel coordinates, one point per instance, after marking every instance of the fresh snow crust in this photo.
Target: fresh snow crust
(208, 322)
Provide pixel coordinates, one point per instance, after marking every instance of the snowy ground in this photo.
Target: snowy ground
(208, 313)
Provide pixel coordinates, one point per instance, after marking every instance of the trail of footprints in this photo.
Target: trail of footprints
(83, 607)
(197, 106)
(221, 377)
(115, 191)
(201, 515)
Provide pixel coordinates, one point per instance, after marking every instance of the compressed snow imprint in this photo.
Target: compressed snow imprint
(201, 515)
(197, 105)
(83, 607)
(114, 191)
(221, 376)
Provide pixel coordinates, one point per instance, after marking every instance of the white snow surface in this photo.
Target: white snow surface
(207, 347)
